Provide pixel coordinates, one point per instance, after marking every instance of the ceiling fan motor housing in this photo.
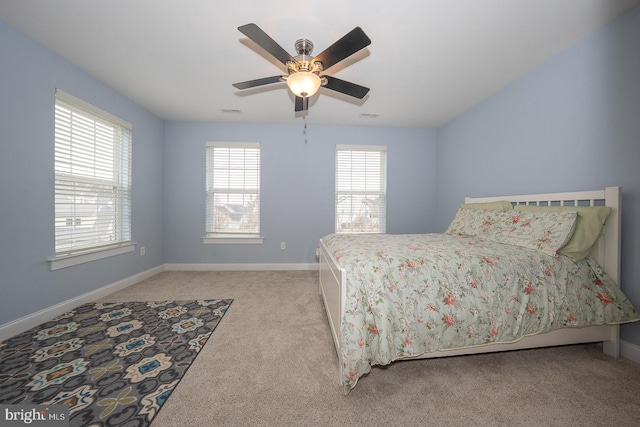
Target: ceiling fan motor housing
(304, 47)
(304, 59)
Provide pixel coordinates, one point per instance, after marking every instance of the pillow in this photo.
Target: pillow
(469, 222)
(501, 205)
(588, 225)
(545, 231)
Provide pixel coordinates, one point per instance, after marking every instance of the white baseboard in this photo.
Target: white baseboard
(242, 267)
(630, 351)
(19, 325)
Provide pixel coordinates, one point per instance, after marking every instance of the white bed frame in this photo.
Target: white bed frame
(606, 251)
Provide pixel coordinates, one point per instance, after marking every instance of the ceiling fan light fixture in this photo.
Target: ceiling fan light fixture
(304, 83)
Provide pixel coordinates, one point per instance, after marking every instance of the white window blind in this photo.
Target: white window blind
(232, 189)
(361, 189)
(92, 178)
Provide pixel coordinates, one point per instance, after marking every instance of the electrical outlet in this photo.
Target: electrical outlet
(283, 245)
(142, 251)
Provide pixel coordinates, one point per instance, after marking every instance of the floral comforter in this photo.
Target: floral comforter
(412, 294)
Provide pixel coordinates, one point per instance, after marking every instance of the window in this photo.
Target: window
(92, 179)
(233, 193)
(361, 188)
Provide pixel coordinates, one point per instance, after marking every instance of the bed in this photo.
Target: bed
(399, 297)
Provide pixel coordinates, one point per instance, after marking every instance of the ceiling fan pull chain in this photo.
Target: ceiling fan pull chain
(304, 131)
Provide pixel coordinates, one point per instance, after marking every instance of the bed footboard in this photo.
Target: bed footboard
(333, 291)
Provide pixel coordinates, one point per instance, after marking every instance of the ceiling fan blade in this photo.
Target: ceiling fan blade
(352, 42)
(302, 104)
(258, 82)
(267, 43)
(346, 87)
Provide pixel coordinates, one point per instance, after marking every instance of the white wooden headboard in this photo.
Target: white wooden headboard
(606, 251)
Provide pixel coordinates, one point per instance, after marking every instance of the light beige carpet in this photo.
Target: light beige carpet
(271, 362)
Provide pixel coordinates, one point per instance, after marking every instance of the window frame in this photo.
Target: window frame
(381, 192)
(228, 237)
(119, 184)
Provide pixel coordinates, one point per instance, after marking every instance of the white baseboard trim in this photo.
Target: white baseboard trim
(242, 267)
(19, 325)
(630, 351)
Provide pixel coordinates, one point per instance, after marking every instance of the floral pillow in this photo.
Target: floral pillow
(470, 222)
(544, 231)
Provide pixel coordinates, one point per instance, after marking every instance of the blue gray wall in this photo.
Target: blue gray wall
(571, 124)
(297, 187)
(29, 75)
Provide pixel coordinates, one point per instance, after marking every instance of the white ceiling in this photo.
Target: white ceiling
(429, 60)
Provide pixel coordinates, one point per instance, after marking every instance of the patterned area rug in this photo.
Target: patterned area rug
(111, 363)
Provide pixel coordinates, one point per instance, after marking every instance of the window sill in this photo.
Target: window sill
(71, 260)
(231, 239)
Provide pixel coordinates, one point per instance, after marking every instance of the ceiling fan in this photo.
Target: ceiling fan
(304, 76)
